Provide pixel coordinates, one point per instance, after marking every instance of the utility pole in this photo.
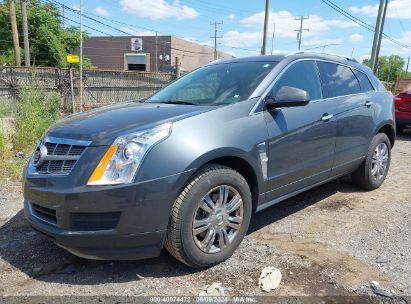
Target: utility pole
(81, 55)
(63, 8)
(379, 28)
(156, 52)
(377, 52)
(272, 40)
(15, 34)
(266, 17)
(406, 70)
(216, 24)
(300, 31)
(389, 69)
(178, 67)
(25, 33)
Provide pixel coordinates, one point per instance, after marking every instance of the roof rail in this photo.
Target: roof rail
(323, 53)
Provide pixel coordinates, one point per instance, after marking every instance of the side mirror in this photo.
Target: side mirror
(288, 97)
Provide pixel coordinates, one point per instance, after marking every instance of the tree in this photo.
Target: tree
(49, 41)
(389, 68)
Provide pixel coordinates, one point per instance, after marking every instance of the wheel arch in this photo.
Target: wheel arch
(238, 163)
(388, 130)
(245, 169)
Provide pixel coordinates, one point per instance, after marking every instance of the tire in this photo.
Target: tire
(400, 129)
(190, 246)
(369, 176)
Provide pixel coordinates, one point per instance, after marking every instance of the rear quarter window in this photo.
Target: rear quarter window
(365, 82)
(338, 80)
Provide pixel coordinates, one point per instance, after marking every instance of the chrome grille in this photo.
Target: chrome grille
(64, 149)
(62, 155)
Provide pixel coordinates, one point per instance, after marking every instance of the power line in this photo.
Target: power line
(112, 27)
(101, 23)
(78, 23)
(91, 18)
(217, 8)
(361, 22)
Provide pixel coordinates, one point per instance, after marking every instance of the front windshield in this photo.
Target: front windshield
(216, 84)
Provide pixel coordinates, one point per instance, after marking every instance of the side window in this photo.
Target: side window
(302, 75)
(338, 80)
(365, 83)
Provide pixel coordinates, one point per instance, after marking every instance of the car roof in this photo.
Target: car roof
(260, 58)
(298, 55)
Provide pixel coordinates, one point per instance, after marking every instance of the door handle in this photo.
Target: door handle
(368, 103)
(327, 117)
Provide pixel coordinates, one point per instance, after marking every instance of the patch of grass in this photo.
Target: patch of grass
(3, 143)
(6, 109)
(11, 168)
(36, 111)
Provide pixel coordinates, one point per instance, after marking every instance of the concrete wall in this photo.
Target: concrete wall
(193, 55)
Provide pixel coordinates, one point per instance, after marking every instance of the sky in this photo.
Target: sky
(242, 23)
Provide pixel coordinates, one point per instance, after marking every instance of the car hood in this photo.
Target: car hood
(101, 126)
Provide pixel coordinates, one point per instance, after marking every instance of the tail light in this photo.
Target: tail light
(399, 100)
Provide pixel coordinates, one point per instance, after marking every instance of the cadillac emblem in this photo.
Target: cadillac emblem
(39, 155)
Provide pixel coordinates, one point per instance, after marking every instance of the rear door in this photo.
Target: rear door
(301, 143)
(351, 99)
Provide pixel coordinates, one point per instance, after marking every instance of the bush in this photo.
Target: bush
(7, 109)
(10, 167)
(3, 144)
(36, 111)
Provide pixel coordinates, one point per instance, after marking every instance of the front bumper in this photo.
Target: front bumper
(106, 222)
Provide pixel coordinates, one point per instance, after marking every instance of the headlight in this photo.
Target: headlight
(121, 161)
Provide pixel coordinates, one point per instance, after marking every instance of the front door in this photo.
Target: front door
(301, 139)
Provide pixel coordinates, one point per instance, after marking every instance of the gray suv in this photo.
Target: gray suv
(186, 168)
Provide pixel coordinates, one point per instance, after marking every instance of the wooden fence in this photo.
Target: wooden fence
(402, 84)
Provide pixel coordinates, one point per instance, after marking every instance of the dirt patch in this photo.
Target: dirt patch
(348, 269)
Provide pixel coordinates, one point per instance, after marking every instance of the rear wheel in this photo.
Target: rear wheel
(210, 217)
(373, 171)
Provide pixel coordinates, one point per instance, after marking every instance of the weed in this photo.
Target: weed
(36, 111)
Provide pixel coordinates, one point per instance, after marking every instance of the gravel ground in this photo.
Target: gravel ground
(332, 240)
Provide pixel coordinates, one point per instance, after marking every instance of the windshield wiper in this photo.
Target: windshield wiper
(179, 102)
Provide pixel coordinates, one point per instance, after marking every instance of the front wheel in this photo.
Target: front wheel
(373, 171)
(210, 217)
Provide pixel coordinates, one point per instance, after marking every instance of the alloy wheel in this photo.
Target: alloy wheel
(379, 161)
(218, 219)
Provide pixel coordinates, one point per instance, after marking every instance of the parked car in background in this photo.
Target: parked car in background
(186, 168)
(403, 110)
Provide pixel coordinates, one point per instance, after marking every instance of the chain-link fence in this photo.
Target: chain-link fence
(100, 87)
